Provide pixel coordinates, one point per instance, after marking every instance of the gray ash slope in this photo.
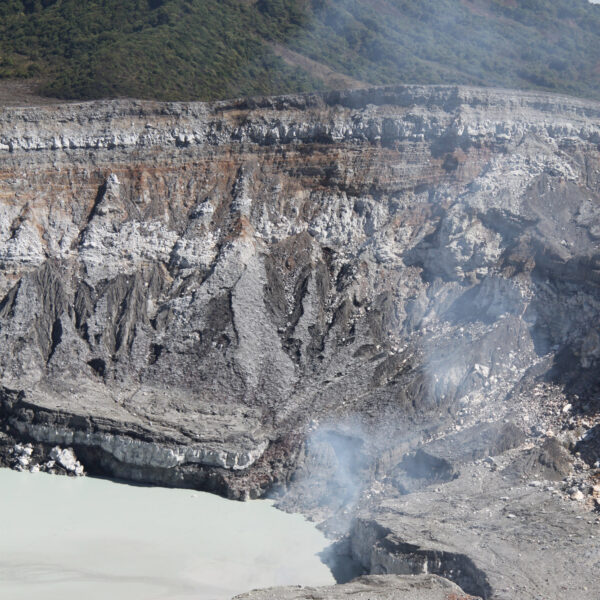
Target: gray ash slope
(380, 305)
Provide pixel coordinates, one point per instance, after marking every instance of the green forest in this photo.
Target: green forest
(211, 49)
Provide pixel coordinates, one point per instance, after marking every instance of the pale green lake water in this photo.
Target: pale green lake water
(69, 538)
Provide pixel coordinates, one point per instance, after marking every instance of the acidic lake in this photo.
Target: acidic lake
(72, 538)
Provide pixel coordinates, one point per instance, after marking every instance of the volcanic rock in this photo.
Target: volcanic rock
(549, 461)
(333, 298)
(371, 587)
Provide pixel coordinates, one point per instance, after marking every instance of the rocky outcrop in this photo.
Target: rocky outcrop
(374, 587)
(379, 551)
(304, 294)
(441, 460)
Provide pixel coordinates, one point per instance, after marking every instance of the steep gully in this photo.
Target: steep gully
(379, 306)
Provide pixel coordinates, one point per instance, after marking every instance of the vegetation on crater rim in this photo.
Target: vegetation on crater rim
(209, 49)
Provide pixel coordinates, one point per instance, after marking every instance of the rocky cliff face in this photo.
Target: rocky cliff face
(191, 291)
